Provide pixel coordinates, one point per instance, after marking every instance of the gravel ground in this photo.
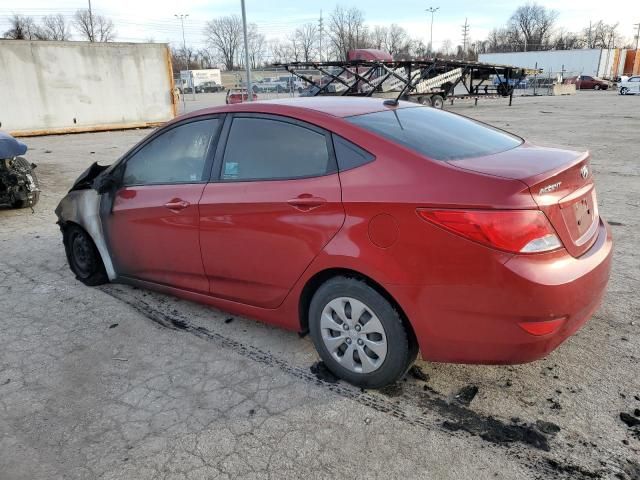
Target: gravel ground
(118, 382)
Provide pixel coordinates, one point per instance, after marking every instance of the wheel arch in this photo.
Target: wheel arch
(81, 208)
(315, 281)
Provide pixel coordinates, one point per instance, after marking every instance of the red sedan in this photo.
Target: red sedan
(382, 230)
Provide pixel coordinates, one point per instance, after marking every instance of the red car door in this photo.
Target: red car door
(153, 227)
(276, 204)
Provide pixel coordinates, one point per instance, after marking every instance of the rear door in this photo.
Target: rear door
(152, 229)
(273, 206)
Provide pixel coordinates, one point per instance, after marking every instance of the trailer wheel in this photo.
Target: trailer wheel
(426, 101)
(437, 102)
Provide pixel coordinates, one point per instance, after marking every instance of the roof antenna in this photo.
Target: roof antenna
(391, 102)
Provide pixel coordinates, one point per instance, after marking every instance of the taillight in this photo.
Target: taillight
(517, 231)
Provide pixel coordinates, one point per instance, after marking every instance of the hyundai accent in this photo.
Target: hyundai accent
(384, 230)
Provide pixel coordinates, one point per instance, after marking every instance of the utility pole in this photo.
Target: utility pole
(92, 37)
(181, 17)
(637, 33)
(465, 37)
(246, 53)
(321, 30)
(431, 10)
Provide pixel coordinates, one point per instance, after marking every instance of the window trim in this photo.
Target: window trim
(216, 170)
(215, 138)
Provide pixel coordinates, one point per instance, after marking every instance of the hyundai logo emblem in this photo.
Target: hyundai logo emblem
(584, 171)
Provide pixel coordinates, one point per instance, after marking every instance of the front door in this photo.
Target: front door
(275, 206)
(153, 227)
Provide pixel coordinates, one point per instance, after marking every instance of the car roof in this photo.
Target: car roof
(329, 105)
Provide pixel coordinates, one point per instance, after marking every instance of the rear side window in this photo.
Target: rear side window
(350, 155)
(436, 134)
(265, 149)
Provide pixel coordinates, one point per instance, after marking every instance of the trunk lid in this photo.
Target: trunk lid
(560, 182)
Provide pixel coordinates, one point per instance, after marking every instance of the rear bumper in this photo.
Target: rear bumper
(478, 321)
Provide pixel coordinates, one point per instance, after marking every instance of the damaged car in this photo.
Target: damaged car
(382, 229)
(19, 187)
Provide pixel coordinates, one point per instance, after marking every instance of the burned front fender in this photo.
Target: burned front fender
(86, 178)
(82, 207)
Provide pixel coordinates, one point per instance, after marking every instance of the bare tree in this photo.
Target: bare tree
(93, 27)
(378, 37)
(55, 27)
(347, 30)
(447, 45)
(294, 49)
(224, 35)
(535, 23)
(397, 40)
(307, 36)
(601, 35)
(257, 46)
(280, 52)
(204, 59)
(22, 28)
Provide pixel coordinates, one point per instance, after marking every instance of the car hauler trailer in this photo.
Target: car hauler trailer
(428, 81)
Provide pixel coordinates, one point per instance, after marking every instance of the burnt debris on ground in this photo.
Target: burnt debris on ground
(466, 394)
(320, 370)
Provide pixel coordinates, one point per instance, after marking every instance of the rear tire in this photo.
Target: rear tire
(437, 102)
(426, 101)
(83, 256)
(358, 334)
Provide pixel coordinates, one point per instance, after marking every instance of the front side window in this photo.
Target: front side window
(436, 134)
(265, 149)
(175, 156)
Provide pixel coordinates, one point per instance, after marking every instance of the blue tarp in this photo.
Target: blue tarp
(10, 147)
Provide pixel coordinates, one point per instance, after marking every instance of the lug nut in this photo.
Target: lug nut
(345, 326)
(358, 328)
(360, 342)
(348, 341)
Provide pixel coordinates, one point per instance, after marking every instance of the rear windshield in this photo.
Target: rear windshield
(436, 134)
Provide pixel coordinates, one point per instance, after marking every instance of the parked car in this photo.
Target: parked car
(630, 86)
(512, 82)
(211, 87)
(586, 82)
(238, 95)
(381, 230)
(198, 89)
(269, 84)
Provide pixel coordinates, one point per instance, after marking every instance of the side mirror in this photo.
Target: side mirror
(105, 183)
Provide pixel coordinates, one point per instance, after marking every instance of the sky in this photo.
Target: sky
(140, 20)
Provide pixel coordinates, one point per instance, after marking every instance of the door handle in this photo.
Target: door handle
(177, 204)
(306, 202)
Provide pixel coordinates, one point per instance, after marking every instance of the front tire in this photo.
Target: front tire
(83, 256)
(596, 87)
(359, 334)
(624, 90)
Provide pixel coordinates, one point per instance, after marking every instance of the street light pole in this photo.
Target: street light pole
(92, 39)
(246, 54)
(431, 10)
(181, 17)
